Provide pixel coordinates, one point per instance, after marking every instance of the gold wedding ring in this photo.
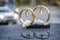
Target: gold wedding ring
(20, 15)
(46, 10)
(33, 14)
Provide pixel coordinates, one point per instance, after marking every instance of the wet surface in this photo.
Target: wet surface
(14, 32)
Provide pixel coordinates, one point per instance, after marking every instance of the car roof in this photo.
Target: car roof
(4, 8)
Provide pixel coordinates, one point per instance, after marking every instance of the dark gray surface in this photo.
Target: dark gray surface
(13, 32)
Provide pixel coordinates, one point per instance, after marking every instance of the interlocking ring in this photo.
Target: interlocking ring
(25, 24)
(46, 10)
(20, 16)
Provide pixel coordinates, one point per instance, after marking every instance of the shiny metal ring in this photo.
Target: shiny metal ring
(46, 10)
(20, 15)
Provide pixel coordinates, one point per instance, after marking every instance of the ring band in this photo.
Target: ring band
(33, 15)
(46, 10)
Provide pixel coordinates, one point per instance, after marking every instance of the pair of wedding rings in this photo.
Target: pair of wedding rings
(33, 14)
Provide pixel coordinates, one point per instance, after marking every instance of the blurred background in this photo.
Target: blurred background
(52, 5)
(31, 2)
(9, 16)
(36, 2)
